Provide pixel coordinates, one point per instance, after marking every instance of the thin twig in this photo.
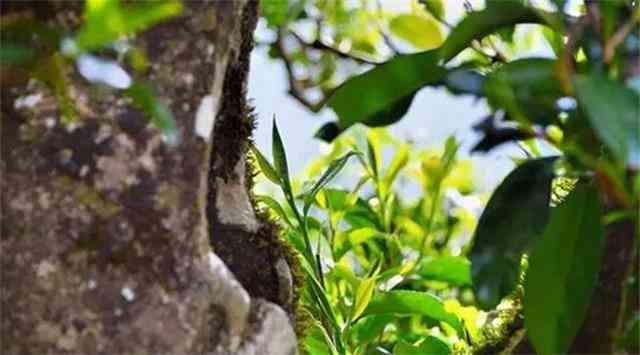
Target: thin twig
(619, 36)
(295, 90)
(318, 44)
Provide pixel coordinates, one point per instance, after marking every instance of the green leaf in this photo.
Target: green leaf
(421, 31)
(265, 167)
(429, 345)
(107, 21)
(275, 206)
(13, 53)
(479, 24)
(383, 94)
(412, 302)
(399, 161)
(144, 98)
(465, 81)
(368, 329)
(362, 296)
(563, 270)
(333, 170)
(362, 235)
(613, 112)
(275, 11)
(434, 7)
(280, 160)
(455, 270)
(527, 89)
(514, 218)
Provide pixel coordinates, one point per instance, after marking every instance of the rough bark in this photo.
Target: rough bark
(105, 241)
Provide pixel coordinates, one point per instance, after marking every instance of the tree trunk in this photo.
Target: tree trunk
(107, 230)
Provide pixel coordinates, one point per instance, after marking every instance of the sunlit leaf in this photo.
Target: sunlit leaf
(265, 166)
(275, 11)
(421, 31)
(363, 296)
(108, 20)
(613, 112)
(429, 345)
(563, 270)
(455, 270)
(411, 302)
(508, 227)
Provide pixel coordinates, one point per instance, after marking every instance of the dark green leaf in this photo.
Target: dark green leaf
(455, 270)
(512, 220)
(280, 160)
(328, 132)
(613, 112)
(632, 334)
(434, 7)
(465, 81)
(275, 11)
(265, 167)
(563, 269)
(411, 302)
(527, 89)
(13, 53)
(482, 23)
(382, 95)
(369, 328)
(494, 135)
(144, 98)
(430, 345)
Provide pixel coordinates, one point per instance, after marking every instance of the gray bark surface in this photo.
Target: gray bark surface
(107, 230)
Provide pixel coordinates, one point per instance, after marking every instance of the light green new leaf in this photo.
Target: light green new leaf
(513, 219)
(412, 302)
(421, 31)
(613, 111)
(265, 167)
(482, 23)
(430, 345)
(563, 269)
(399, 161)
(275, 11)
(363, 296)
(107, 20)
(382, 95)
(455, 270)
